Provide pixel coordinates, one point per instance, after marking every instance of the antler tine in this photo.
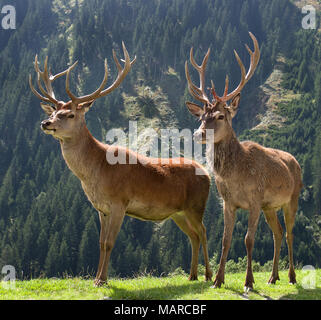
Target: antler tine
(48, 97)
(58, 75)
(226, 86)
(88, 97)
(44, 76)
(245, 77)
(35, 92)
(255, 56)
(122, 72)
(216, 97)
(47, 79)
(197, 92)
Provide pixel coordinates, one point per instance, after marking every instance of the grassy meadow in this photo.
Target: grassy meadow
(164, 288)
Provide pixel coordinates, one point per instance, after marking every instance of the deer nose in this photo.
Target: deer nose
(45, 123)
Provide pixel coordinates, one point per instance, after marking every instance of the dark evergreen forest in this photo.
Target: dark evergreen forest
(47, 225)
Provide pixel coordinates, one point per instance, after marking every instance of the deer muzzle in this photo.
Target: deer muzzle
(45, 124)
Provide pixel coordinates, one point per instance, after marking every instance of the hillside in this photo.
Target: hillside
(47, 226)
(271, 94)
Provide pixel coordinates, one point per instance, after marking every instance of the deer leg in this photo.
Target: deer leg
(229, 221)
(273, 222)
(104, 219)
(196, 221)
(107, 241)
(208, 270)
(186, 227)
(289, 211)
(249, 243)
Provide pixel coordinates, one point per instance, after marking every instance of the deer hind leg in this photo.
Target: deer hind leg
(208, 270)
(186, 227)
(110, 226)
(195, 219)
(289, 211)
(273, 222)
(249, 243)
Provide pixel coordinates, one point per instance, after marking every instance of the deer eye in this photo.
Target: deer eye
(71, 116)
(221, 117)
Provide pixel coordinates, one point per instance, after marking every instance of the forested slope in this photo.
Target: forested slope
(47, 226)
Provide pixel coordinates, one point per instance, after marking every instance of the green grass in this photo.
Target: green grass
(166, 288)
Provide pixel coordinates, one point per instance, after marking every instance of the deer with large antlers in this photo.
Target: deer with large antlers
(148, 190)
(247, 175)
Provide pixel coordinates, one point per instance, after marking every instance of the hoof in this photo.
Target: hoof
(217, 282)
(192, 278)
(248, 289)
(99, 282)
(248, 285)
(249, 280)
(292, 280)
(273, 279)
(292, 277)
(208, 276)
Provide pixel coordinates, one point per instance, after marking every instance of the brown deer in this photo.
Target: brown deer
(148, 190)
(247, 175)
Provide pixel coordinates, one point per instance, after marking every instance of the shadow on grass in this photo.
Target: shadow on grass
(177, 291)
(303, 294)
(167, 292)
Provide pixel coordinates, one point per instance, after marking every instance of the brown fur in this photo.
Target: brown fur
(145, 190)
(251, 177)
(247, 175)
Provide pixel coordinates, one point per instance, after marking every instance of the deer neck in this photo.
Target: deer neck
(227, 154)
(82, 154)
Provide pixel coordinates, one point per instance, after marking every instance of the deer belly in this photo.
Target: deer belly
(275, 200)
(148, 212)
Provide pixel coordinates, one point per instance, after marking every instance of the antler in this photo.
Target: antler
(122, 72)
(47, 79)
(197, 92)
(255, 57)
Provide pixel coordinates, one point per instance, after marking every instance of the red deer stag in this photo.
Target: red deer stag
(247, 175)
(171, 190)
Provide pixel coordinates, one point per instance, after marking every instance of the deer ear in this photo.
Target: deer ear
(47, 108)
(85, 106)
(194, 109)
(234, 105)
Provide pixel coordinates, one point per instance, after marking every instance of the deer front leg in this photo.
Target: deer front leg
(229, 220)
(104, 220)
(249, 242)
(110, 226)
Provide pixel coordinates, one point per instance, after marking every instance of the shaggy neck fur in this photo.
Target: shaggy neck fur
(226, 154)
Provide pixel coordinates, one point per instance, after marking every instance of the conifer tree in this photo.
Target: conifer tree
(88, 248)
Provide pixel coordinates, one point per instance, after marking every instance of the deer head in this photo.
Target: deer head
(66, 118)
(217, 114)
